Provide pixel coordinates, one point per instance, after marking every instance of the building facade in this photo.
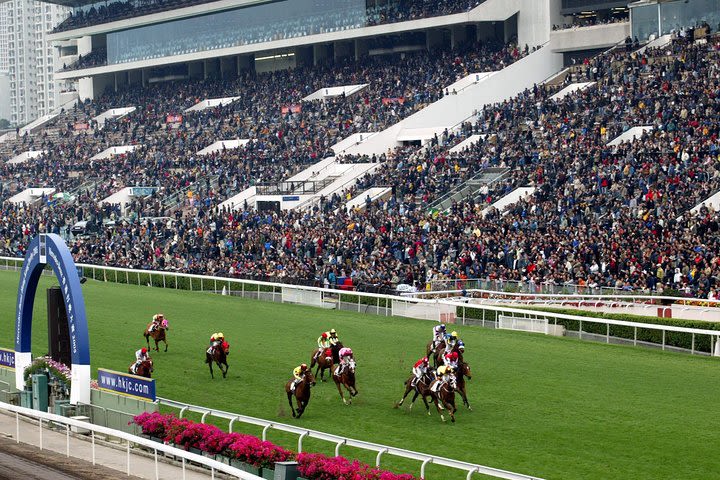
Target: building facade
(27, 58)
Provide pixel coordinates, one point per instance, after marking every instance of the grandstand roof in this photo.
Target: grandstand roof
(70, 3)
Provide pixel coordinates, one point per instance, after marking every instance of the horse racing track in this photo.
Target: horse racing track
(551, 407)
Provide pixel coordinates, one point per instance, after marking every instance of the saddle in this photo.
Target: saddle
(435, 385)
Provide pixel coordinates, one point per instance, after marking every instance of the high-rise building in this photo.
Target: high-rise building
(28, 58)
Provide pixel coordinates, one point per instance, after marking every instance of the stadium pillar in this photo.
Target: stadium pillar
(321, 53)
(433, 39)
(458, 35)
(361, 48)
(343, 50)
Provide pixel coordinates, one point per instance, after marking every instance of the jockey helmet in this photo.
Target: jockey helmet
(425, 360)
(143, 350)
(324, 335)
(454, 335)
(454, 355)
(303, 367)
(220, 335)
(332, 331)
(442, 327)
(214, 335)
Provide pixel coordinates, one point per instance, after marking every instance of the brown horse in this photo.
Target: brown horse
(462, 372)
(346, 379)
(323, 362)
(440, 353)
(430, 353)
(302, 394)
(219, 356)
(159, 334)
(422, 389)
(145, 369)
(444, 398)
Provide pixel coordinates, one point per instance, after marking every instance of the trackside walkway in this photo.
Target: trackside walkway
(75, 453)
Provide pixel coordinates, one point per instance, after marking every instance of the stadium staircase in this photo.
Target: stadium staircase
(470, 189)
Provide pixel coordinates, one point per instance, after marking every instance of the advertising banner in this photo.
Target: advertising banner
(126, 384)
(7, 358)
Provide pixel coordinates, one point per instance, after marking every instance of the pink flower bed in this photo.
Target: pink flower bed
(253, 451)
(314, 466)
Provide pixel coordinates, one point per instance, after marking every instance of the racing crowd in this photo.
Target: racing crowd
(600, 215)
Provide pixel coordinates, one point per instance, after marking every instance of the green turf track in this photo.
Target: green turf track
(552, 407)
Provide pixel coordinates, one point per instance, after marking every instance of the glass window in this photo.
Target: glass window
(675, 15)
(259, 23)
(644, 21)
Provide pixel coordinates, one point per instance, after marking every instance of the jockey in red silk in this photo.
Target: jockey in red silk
(420, 369)
(140, 356)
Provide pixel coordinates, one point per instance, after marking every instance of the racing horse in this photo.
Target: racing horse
(430, 353)
(462, 372)
(346, 379)
(159, 334)
(145, 369)
(444, 398)
(219, 356)
(440, 353)
(301, 393)
(422, 389)
(325, 361)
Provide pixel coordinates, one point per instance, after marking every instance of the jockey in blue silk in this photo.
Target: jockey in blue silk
(451, 341)
(438, 335)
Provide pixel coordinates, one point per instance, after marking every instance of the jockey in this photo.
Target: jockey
(450, 359)
(438, 335)
(140, 356)
(451, 341)
(332, 337)
(299, 373)
(461, 346)
(420, 369)
(156, 321)
(323, 343)
(346, 354)
(444, 375)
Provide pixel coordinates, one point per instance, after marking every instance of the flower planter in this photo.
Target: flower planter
(155, 439)
(244, 467)
(267, 473)
(196, 451)
(208, 455)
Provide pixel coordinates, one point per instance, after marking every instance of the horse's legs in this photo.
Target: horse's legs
(451, 409)
(407, 390)
(289, 395)
(339, 387)
(147, 339)
(427, 405)
(440, 408)
(224, 371)
(166, 344)
(211, 371)
(300, 407)
(464, 397)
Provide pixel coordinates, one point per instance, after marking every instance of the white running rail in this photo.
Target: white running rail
(339, 441)
(46, 418)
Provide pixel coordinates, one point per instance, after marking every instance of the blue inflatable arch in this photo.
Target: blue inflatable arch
(50, 249)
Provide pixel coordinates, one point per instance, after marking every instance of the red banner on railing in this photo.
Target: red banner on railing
(173, 119)
(81, 126)
(389, 100)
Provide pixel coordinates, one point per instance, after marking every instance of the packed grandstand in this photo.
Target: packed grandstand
(613, 216)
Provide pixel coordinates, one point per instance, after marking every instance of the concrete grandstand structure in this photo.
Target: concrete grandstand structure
(486, 111)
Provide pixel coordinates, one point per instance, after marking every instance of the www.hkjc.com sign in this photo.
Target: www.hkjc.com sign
(126, 384)
(7, 358)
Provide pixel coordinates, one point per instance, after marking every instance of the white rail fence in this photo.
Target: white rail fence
(431, 309)
(46, 419)
(339, 442)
